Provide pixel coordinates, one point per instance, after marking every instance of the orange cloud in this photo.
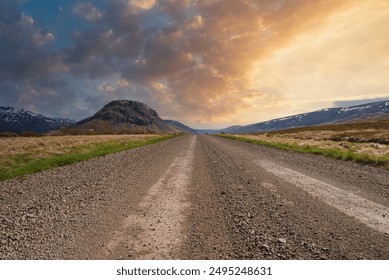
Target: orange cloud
(137, 5)
(208, 59)
(215, 62)
(345, 58)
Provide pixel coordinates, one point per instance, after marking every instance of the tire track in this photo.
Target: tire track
(155, 231)
(256, 199)
(370, 213)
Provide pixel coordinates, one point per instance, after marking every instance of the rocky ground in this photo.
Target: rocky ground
(193, 197)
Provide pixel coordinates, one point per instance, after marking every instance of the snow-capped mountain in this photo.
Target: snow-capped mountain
(19, 120)
(323, 116)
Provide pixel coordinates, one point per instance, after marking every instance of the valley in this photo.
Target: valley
(126, 184)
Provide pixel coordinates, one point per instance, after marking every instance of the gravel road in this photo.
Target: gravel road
(198, 197)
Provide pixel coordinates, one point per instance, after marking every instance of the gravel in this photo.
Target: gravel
(71, 212)
(234, 209)
(246, 213)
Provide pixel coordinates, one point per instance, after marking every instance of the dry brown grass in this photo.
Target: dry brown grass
(46, 145)
(371, 148)
(371, 137)
(26, 155)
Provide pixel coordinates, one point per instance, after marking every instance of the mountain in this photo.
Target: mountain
(182, 127)
(323, 116)
(123, 116)
(19, 120)
(188, 130)
(207, 131)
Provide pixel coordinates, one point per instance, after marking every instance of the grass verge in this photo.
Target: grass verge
(348, 155)
(27, 163)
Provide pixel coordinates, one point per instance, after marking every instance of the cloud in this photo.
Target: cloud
(117, 87)
(346, 103)
(202, 62)
(138, 5)
(87, 11)
(343, 59)
(30, 72)
(24, 46)
(195, 23)
(51, 95)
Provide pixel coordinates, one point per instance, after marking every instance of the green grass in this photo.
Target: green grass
(334, 153)
(23, 164)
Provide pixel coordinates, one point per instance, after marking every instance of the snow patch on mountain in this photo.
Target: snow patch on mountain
(20, 120)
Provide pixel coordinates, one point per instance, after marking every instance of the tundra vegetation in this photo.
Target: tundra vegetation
(365, 142)
(24, 155)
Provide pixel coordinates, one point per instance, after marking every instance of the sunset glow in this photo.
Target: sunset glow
(208, 64)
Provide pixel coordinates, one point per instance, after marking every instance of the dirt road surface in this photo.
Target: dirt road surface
(198, 197)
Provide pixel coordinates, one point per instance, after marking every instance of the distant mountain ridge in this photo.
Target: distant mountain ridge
(20, 120)
(323, 116)
(124, 116)
(182, 127)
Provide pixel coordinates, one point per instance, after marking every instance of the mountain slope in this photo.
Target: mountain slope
(124, 116)
(323, 116)
(182, 127)
(19, 120)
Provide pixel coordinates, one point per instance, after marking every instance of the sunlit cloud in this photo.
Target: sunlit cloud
(87, 11)
(345, 58)
(138, 5)
(207, 63)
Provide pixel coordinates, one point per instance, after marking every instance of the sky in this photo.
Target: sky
(208, 64)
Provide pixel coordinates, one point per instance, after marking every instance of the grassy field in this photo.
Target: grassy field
(364, 142)
(24, 155)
